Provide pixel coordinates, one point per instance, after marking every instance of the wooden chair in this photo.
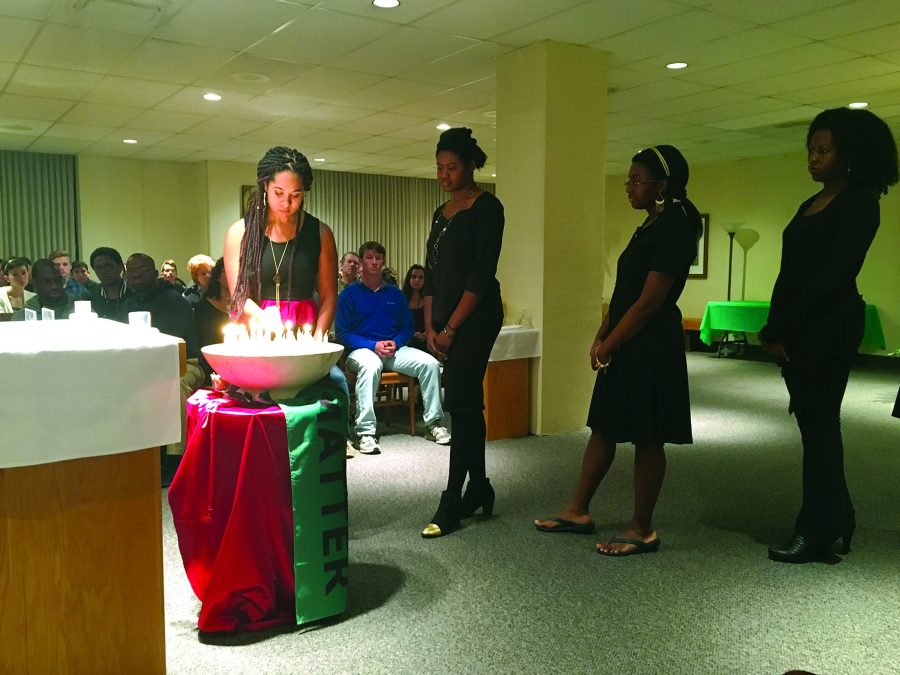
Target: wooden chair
(390, 395)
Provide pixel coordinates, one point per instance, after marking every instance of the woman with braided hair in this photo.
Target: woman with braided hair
(641, 392)
(278, 255)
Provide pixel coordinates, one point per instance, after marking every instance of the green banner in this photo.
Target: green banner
(317, 436)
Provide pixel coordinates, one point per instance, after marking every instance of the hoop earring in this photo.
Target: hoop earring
(660, 203)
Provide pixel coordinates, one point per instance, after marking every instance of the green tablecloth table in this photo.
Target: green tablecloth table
(749, 316)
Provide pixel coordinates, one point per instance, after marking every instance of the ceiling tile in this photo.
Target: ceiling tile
(593, 22)
(448, 102)
(765, 13)
(171, 62)
(144, 138)
(770, 65)
(232, 25)
(388, 93)
(380, 123)
(6, 70)
(320, 36)
(875, 41)
(188, 142)
(26, 126)
(472, 63)
(35, 108)
(77, 48)
(14, 141)
(374, 144)
(325, 116)
(775, 117)
(240, 74)
(856, 70)
(159, 120)
(190, 100)
(85, 132)
(59, 146)
(15, 36)
(101, 114)
(396, 51)
(115, 15)
(326, 85)
(29, 9)
(331, 139)
(266, 108)
(162, 154)
(123, 90)
(51, 82)
(485, 20)
(404, 13)
(111, 150)
(843, 19)
(714, 116)
(657, 92)
(223, 127)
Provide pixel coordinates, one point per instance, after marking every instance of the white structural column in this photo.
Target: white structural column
(551, 137)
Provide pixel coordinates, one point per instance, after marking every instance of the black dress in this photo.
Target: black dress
(643, 396)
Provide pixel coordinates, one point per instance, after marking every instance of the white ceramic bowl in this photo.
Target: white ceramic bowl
(284, 370)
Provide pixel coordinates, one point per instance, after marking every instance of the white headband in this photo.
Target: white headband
(662, 159)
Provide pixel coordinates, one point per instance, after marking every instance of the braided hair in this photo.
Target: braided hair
(667, 162)
(256, 220)
(459, 140)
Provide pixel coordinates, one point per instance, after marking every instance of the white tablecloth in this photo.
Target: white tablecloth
(515, 342)
(71, 389)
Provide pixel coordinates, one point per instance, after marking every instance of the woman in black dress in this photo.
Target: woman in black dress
(463, 314)
(817, 316)
(211, 314)
(641, 392)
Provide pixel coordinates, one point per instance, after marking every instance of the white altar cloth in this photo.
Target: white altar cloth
(87, 388)
(515, 342)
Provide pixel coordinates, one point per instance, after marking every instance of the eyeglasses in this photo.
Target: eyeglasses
(631, 182)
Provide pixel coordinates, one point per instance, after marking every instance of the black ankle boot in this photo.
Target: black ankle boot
(446, 518)
(479, 495)
(800, 550)
(847, 534)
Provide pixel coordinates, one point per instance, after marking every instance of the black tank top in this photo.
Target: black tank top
(298, 280)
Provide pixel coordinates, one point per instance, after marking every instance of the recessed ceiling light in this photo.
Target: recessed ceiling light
(129, 141)
(443, 126)
(676, 65)
(211, 96)
(386, 4)
(318, 159)
(493, 175)
(858, 104)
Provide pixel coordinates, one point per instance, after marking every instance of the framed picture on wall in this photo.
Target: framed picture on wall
(699, 266)
(247, 194)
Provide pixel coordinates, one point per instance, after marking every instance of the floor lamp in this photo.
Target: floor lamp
(731, 229)
(746, 238)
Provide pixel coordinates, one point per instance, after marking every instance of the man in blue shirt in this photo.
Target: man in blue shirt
(374, 324)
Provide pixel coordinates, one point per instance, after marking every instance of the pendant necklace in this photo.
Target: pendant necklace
(437, 241)
(277, 278)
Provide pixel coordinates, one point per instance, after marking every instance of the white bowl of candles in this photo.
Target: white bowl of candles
(282, 363)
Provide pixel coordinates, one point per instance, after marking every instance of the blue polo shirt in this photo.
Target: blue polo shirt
(365, 317)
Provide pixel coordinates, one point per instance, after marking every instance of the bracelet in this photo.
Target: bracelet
(449, 332)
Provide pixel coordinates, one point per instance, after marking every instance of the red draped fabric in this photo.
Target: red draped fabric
(231, 504)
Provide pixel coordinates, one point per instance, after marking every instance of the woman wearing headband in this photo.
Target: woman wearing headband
(641, 392)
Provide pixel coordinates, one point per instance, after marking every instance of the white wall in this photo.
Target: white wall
(158, 208)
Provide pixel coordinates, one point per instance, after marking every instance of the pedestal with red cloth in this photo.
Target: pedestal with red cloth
(260, 509)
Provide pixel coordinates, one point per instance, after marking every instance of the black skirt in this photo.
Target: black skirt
(643, 396)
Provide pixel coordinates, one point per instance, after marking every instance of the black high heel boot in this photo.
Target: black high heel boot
(479, 495)
(446, 518)
(800, 550)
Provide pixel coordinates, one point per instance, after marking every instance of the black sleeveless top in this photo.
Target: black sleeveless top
(299, 268)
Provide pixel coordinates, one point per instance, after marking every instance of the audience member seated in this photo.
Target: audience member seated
(168, 271)
(349, 270)
(108, 296)
(49, 293)
(200, 266)
(211, 314)
(412, 289)
(374, 324)
(4, 281)
(14, 296)
(170, 313)
(63, 262)
(389, 276)
(80, 274)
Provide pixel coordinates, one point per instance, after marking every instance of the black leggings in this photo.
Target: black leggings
(464, 396)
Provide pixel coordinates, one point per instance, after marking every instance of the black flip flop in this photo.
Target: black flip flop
(640, 546)
(569, 526)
